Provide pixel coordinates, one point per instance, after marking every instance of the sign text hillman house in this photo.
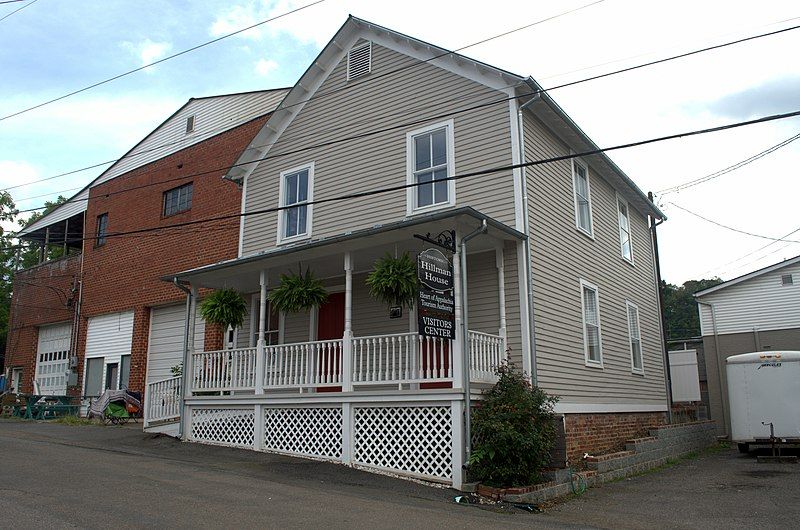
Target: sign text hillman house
(436, 304)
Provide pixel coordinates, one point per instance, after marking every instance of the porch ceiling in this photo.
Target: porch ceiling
(325, 257)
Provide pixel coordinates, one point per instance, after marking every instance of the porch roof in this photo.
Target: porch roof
(366, 246)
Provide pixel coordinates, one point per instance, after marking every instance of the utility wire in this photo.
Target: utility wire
(732, 229)
(159, 61)
(734, 167)
(18, 9)
(782, 238)
(483, 172)
(452, 113)
(370, 79)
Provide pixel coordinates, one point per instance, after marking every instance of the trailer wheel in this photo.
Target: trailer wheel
(744, 448)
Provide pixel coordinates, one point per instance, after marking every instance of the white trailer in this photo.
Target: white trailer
(763, 396)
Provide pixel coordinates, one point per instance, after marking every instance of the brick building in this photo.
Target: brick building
(97, 303)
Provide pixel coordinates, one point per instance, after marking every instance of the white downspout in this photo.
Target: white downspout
(184, 360)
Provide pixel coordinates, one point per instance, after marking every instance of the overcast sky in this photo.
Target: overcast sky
(52, 47)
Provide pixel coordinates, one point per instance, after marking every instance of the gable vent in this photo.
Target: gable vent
(787, 279)
(190, 124)
(359, 60)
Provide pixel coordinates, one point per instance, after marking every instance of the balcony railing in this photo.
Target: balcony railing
(163, 400)
(395, 359)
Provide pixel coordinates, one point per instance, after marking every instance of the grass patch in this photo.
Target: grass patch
(686, 457)
(75, 420)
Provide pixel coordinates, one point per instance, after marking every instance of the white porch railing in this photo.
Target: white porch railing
(305, 364)
(163, 400)
(401, 358)
(395, 359)
(225, 370)
(486, 352)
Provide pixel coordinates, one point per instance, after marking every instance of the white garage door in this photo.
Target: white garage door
(109, 338)
(166, 340)
(52, 359)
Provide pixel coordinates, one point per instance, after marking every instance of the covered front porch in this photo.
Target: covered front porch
(324, 383)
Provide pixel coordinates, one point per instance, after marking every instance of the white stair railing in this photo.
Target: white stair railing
(401, 358)
(224, 370)
(305, 364)
(163, 400)
(486, 353)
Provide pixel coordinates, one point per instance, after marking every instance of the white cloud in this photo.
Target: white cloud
(147, 51)
(265, 66)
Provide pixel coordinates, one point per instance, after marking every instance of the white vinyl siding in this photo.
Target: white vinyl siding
(430, 164)
(635, 334)
(583, 199)
(165, 341)
(625, 244)
(592, 340)
(109, 337)
(297, 189)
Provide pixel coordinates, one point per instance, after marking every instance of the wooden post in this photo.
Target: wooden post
(261, 359)
(347, 339)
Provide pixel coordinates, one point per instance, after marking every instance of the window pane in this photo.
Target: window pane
(422, 151)
(439, 147)
(291, 222)
(291, 188)
(425, 192)
(593, 342)
(583, 214)
(301, 219)
(302, 185)
(626, 247)
(636, 348)
(440, 186)
(590, 305)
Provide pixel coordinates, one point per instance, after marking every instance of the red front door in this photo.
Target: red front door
(330, 326)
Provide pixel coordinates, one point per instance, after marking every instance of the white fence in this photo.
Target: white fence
(401, 358)
(163, 400)
(486, 353)
(305, 364)
(226, 370)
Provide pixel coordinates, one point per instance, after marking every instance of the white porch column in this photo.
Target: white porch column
(347, 339)
(501, 286)
(188, 369)
(260, 343)
(458, 346)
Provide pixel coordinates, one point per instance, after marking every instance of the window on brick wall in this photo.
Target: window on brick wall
(102, 229)
(178, 199)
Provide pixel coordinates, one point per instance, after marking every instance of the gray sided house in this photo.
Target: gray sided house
(759, 311)
(562, 281)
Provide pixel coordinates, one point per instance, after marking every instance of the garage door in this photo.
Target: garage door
(166, 340)
(52, 359)
(108, 339)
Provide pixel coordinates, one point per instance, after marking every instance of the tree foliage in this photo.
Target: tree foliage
(680, 307)
(514, 431)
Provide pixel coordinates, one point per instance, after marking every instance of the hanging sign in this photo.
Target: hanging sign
(435, 301)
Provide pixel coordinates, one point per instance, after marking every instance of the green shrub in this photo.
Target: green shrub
(514, 432)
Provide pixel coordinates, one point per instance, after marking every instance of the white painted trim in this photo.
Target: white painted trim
(517, 148)
(621, 199)
(593, 364)
(600, 408)
(411, 193)
(628, 306)
(582, 164)
(281, 240)
(524, 309)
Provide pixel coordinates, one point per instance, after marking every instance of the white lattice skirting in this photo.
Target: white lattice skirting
(412, 440)
(315, 432)
(233, 427)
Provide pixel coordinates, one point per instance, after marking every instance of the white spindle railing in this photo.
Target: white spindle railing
(224, 370)
(163, 400)
(305, 364)
(486, 353)
(401, 358)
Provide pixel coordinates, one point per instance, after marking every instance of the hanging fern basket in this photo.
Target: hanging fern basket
(393, 281)
(224, 307)
(298, 292)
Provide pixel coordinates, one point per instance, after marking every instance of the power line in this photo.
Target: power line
(734, 167)
(782, 238)
(371, 79)
(18, 9)
(159, 61)
(732, 229)
(452, 113)
(483, 172)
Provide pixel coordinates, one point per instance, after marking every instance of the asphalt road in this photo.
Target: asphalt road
(60, 476)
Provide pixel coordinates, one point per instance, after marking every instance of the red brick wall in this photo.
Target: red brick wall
(40, 296)
(599, 434)
(125, 273)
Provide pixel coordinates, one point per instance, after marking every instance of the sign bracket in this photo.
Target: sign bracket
(446, 239)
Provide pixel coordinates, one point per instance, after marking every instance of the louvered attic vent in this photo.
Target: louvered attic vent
(359, 60)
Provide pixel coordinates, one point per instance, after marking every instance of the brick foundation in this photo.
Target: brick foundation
(599, 434)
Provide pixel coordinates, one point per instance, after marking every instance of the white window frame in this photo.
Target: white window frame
(585, 167)
(309, 207)
(628, 306)
(621, 199)
(587, 360)
(411, 191)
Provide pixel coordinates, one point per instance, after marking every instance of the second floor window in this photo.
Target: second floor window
(592, 342)
(102, 229)
(625, 243)
(583, 201)
(296, 192)
(430, 158)
(635, 336)
(178, 199)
